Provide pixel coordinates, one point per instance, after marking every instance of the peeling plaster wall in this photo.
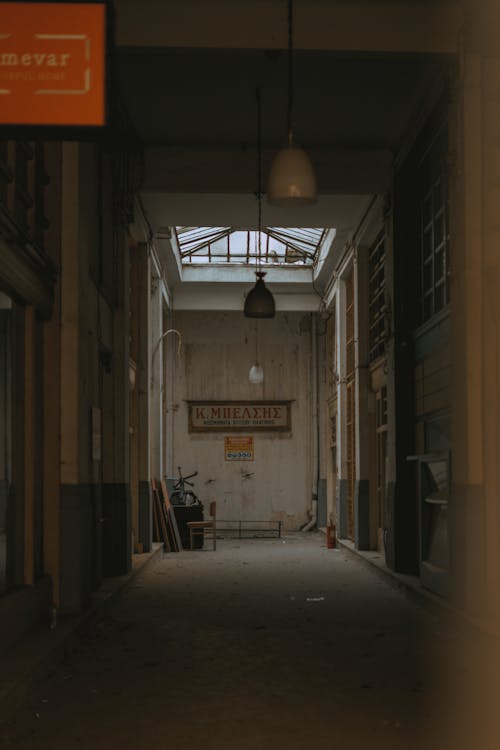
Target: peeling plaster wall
(218, 349)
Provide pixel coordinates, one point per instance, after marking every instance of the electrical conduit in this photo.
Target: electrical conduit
(313, 511)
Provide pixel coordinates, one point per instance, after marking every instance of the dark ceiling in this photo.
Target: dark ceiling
(193, 97)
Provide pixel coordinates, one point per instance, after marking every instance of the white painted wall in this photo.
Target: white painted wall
(217, 352)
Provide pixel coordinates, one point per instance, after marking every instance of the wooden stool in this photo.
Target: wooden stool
(205, 528)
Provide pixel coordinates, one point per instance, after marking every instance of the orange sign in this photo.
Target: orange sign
(52, 63)
(238, 449)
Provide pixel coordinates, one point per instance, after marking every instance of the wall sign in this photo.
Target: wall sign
(52, 63)
(238, 448)
(239, 416)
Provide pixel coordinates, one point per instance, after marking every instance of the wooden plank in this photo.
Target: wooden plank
(170, 528)
(163, 523)
(162, 511)
(171, 516)
(160, 516)
(164, 490)
(156, 518)
(175, 528)
(163, 506)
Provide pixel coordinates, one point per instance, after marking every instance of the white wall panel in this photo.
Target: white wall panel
(217, 352)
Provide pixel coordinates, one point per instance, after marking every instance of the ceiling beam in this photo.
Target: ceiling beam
(164, 210)
(233, 170)
(231, 296)
(396, 27)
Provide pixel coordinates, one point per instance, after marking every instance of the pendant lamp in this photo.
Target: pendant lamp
(259, 302)
(292, 181)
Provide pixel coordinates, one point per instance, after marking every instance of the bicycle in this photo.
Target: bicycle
(181, 495)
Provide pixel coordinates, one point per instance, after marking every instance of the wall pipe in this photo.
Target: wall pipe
(155, 350)
(313, 511)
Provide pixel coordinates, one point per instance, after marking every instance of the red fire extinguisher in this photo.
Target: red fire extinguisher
(331, 536)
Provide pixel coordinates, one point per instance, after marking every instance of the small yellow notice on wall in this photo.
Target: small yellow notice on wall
(238, 449)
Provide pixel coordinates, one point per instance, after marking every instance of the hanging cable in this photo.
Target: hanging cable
(259, 177)
(259, 302)
(289, 117)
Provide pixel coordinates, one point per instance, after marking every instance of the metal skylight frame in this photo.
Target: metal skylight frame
(280, 246)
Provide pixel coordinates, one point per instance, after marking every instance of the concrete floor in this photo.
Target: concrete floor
(263, 644)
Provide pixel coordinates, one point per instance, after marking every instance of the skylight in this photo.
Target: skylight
(278, 245)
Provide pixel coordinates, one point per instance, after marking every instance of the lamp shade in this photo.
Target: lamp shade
(259, 302)
(291, 180)
(256, 374)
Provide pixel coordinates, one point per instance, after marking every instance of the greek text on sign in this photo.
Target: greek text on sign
(226, 416)
(238, 449)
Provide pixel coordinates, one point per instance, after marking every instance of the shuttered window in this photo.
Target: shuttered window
(434, 231)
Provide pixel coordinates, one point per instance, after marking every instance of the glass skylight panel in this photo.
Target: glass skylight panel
(278, 245)
(305, 241)
(192, 239)
(220, 246)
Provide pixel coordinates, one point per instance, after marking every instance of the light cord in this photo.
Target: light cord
(290, 74)
(259, 177)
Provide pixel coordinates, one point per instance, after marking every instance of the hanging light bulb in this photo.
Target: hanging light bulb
(292, 181)
(259, 302)
(256, 374)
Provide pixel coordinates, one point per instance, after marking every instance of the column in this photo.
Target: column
(143, 396)
(363, 406)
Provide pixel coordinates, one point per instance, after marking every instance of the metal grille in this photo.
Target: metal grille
(349, 314)
(331, 343)
(377, 305)
(333, 440)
